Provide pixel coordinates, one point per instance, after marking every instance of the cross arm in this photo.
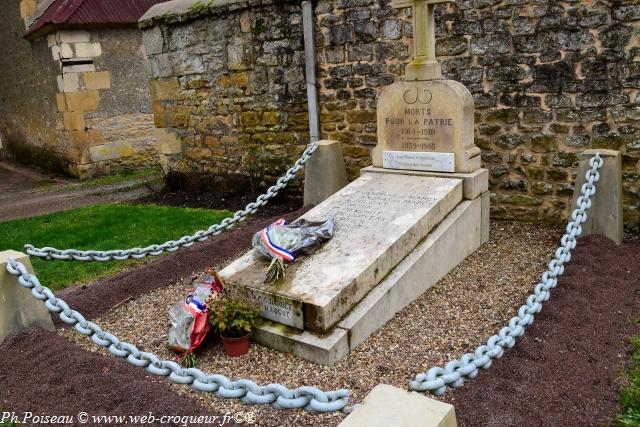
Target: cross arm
(408, 3)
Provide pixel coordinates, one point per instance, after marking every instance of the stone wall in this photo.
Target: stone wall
(549, 79)
(81, 94)
(27, 85)
(104, 100)
(230, 91)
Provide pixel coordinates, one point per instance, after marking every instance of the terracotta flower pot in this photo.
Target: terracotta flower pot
(236, 346)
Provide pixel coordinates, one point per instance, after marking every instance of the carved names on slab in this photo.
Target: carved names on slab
(372, 208)
(279, 308)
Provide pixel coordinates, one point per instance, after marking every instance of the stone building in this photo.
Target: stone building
(549, 78)
(74, 91)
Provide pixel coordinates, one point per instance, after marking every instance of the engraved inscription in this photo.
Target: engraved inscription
(416, 160)
(279, 308)
(420, 122)
(418, 129)
(368, 208)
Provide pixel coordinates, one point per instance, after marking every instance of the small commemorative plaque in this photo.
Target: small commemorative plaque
(279, 308)
(419, 160)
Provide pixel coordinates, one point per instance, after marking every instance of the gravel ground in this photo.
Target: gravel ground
(459, 313)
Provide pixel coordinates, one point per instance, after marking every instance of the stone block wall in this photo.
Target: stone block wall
(229, 90)
(104, 100)
(27, 84)
(549, 78)
(81, 96)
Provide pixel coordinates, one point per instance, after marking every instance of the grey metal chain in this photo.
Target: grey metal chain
(437, 379)
(185, 241)
(310, 398)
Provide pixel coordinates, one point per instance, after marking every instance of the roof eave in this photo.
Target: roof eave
(36, 33)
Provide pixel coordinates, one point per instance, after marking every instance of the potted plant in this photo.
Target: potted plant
(234, 315)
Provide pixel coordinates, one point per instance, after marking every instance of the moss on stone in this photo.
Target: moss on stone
(610, 142)
(543, 143)
(44, 158)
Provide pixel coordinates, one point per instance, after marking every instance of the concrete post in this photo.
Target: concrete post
(18, 308)
(324, 173)
(390, 406)
(605, 215)
(310, 70)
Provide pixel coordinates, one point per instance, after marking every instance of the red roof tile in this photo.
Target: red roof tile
(78, 13)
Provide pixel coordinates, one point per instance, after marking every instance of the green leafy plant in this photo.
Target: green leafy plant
(276, 270)
(630, 395)
(235, 314)
(189, 360)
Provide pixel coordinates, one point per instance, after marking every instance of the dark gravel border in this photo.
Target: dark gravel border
(44, 373)
(566, 370)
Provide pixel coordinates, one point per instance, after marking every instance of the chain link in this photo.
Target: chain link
(437, 379)
(50, 253)
(310, 398)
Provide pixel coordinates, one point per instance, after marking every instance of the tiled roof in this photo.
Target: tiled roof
(79, 13)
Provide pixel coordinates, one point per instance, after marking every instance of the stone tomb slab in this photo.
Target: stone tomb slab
(456, 237)
(379, 220)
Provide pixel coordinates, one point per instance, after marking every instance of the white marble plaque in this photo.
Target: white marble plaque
(419, 161)
(279, 308)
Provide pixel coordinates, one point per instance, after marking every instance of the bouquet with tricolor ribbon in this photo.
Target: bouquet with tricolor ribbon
(188, 318)
(282, 242)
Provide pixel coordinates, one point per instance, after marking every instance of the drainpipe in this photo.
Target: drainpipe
(310, 68)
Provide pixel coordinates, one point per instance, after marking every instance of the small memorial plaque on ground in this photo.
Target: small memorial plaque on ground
(280, 309)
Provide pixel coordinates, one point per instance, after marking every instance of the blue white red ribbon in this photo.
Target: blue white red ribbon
(272, 247)
(196, 305)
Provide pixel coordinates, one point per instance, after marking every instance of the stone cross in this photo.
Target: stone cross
(424, 65)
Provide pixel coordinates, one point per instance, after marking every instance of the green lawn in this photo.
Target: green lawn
(103, 227)
(630, 396)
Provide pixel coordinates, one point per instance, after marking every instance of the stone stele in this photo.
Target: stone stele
(324, 173)
(432, 121)
(379, 220)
